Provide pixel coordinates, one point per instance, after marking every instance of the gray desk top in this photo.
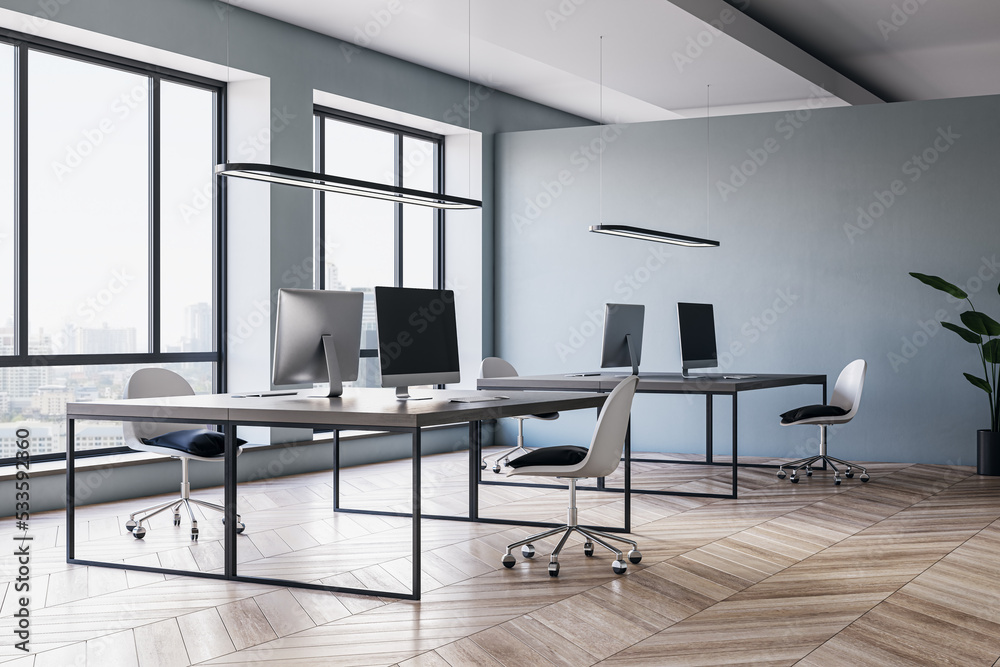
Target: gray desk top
(357, 407)
(649, 382)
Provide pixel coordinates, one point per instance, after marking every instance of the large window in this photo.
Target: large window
(367, 242)
(110, 235)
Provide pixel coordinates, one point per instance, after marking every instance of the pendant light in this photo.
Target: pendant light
(656, 235)
(349, 186)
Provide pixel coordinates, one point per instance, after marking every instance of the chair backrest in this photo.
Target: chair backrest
(495, 367)
(154, 383)
(847, 390)
(608, 442)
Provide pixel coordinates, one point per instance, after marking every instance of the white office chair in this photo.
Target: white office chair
(155, 383)
(495, 367)
(574, 463)
(840, 410)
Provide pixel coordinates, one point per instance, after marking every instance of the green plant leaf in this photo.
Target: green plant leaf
(982, 324)
(979, 382)
(991, 351)
(941, 284)
(963, 332)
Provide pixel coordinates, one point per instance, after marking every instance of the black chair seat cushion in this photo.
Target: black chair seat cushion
(196, 441)
(560, 455)
(811, 412)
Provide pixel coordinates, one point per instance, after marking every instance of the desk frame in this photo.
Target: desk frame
(662, 383)
(227, 414)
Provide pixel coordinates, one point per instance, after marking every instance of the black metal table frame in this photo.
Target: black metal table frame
(628, 458)
(230, 482)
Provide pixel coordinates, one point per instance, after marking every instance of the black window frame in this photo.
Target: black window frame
(320, 114)
(23, 44)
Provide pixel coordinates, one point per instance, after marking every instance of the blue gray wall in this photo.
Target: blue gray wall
(821, 215)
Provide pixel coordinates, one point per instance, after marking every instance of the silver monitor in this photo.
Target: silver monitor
(417, 337)
(622, 343)
(317, 337)
(696, 325)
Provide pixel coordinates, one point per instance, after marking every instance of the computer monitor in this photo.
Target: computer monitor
(622, 343)
(696, 325)
(417, 337)
(317, 337)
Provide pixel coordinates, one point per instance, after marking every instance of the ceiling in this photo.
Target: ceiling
(639, 60)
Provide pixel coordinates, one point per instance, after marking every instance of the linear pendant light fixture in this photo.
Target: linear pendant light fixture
(655, 235)
(349, 186)
(270, 173)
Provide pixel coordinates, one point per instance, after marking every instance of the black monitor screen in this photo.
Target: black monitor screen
(696, 322)
(417, 335)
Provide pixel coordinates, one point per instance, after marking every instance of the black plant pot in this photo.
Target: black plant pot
(988, 456)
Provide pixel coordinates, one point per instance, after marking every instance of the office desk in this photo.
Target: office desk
(663, 383)
(364, 409)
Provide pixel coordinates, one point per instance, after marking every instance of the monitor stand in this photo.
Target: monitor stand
(403, 394)
(684, 374)
(332, 369)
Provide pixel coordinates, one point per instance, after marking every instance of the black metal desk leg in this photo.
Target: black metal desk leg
(229, 502)
(70, 488)
(336, 470)
(416, 514)
(735, 448)
(709, 445)
(475, 456)
(600, 480)
(628, 476)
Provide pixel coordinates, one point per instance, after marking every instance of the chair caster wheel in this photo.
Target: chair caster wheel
(864, 477)
(781, 474)
(809, 472)
(553, 569)
(508, 561)
(194, 534)
(836, 481)
(528, 551)
(177, 519)
(634, 557)
(848, 473)
(139, 532)
(496, 468)
(240, 527)
(482, 465)
(619, 567)
(588, 549)
(793, 479)
(130, 525)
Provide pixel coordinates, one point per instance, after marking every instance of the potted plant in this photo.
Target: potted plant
(981, 330)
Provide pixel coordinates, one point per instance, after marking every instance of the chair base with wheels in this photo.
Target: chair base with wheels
(138, 531)
(809, 461)
(619, 566)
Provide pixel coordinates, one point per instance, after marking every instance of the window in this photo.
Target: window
(109, 235)
(367, 242)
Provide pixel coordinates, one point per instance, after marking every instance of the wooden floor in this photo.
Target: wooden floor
(904, 570)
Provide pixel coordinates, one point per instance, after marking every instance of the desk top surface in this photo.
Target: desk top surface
(357, 407)
(651, 382)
